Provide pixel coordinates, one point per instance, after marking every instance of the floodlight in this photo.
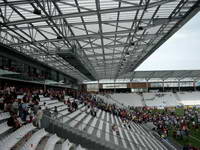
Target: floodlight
(59, 37)
(37, 11)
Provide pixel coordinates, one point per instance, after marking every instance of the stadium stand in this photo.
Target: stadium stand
(189, 98)
(53, 53)
(164, 99)
(131, 99)
(51, 142)
(11, 138)
(34, 140)
(98, 120)
(101, 126)
(158, 99)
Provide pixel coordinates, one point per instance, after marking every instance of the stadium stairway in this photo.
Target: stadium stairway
(96, 132)
(170, 145)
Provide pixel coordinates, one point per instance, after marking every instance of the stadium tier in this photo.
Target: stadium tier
(69, 76)
(154, 99)
(78, 121)
(29, 137)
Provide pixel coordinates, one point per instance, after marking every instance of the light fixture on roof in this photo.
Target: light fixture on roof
(127, 53)
(37, 11)
(59, 37)
(140, 28)
(132, 43)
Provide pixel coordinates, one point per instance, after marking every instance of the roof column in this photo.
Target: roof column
(163, 87)
(179, 88)
(147, 83)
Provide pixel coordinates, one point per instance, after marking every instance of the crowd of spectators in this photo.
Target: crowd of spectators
(27, 109)
(163, 121)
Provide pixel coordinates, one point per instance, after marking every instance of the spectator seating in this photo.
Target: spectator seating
(135, 137)
(4, 127)
(31, 143)
(189, 98)
(128, 99)
(66, 145)
(51, 142)
(4, 115)
(165, 99)
(8, 142)
(12, 138)
(101, 127)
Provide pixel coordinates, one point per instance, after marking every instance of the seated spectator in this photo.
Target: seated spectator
(93, 111)
(74, 105)
(70, 109)
(13, 122)
(115, 128)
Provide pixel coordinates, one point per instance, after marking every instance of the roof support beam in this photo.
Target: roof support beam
(91, 36)
(156, 20)
(91, 13)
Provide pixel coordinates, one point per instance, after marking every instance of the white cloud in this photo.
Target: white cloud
(181, 51)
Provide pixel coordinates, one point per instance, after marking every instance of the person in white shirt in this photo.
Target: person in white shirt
(38, 117)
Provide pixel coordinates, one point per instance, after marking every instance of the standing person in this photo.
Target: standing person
(55, 112)
(35, 107)
(24, 110)
(20, 109)
(38, 117)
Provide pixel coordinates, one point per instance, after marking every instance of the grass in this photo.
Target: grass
(193, 139)
(179, 111)
(188, 140)
(196, 134)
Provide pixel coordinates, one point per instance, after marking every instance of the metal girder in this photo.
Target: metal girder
(51, 51)
(193, 11)
(89, 36)
(165, 74)
(154, 21)
(91, 13)
(102, 34)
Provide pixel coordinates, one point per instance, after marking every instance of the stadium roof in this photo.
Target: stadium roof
(165, 74)
(143, 76)
(110, 38)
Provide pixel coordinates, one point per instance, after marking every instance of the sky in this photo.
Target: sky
(180, 52)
